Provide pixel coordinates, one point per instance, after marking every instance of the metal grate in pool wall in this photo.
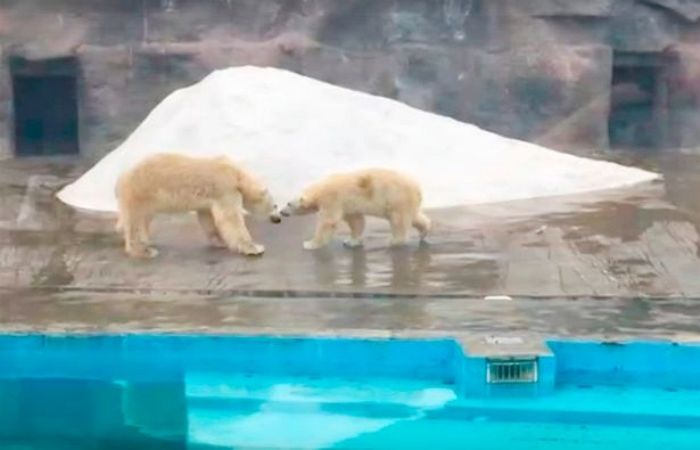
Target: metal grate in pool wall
(504, 371)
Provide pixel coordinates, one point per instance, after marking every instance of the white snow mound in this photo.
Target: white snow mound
(290, 130)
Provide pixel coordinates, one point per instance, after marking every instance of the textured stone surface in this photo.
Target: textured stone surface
(688, 9)
(538, 70)
(6, 112)
(568, 8)
(642, 29)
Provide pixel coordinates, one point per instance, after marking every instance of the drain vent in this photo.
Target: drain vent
(502, 371)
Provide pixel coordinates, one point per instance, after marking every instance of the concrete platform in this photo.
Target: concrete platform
(607, 264)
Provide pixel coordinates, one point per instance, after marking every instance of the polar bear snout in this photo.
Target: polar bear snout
(296, 208)
(274, 212)
(275, 217)
(288, 210)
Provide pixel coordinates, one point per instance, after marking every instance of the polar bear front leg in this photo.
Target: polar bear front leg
(399, 228)
(229, 220)
(206, 221)
(422, 223)
(356, 222)
(325, 228)
(145, 231)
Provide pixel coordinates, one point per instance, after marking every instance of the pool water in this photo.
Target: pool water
(47, 402)
(214, 410)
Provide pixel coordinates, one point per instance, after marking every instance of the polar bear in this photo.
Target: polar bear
(351, 196)
(219, 191)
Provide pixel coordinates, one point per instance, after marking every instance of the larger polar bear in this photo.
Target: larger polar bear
(351, 196)
(217, 189)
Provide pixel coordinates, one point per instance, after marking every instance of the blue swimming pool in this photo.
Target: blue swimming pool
(227, 392)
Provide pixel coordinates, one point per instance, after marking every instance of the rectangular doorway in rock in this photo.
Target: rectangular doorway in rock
(638, 101)
(45, 101)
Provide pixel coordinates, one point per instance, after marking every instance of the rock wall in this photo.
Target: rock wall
(539, 70)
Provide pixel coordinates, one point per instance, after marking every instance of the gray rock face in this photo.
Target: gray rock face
(538, 70)
(687, 9)
(567, 8)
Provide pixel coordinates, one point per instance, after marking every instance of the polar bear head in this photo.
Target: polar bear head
(299, 207)
(259, 202)
(256, 197)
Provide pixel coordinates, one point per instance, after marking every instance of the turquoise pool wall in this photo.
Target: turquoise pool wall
(155, 357)
(643, 364)
(144, 357)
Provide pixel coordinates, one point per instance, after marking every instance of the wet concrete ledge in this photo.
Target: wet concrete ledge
(612, 319)
(296, 293)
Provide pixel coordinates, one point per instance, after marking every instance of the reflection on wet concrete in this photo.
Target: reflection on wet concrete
(639, 241)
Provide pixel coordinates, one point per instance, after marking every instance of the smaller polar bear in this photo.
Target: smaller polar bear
(219, 191)
(352, 196)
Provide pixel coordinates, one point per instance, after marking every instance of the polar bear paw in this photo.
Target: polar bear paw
(253, 250)
(352, 243)
(311, 245)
